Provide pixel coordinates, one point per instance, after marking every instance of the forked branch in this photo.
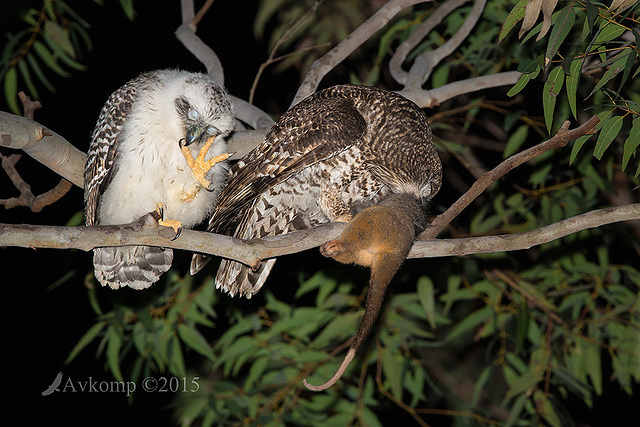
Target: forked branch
(560, 139)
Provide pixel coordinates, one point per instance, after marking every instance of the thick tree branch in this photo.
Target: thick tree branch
(26, 197)
(44, 145)
(146, 232)
(526, 239)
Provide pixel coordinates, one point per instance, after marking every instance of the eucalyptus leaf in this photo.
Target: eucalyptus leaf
(631, 143)
(392, 370)
(37, 70)
(608, 131)
(426, 297)
(49, 60)
(195, 340)
(573, 78)
(612, 71)
(561, 29)
(85, 340)
(515, 15)
(550, 93)
(114, 344)
(515, 141)
(11, 89)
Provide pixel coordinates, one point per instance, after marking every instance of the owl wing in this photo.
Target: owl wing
(102, 155)
(312, 131)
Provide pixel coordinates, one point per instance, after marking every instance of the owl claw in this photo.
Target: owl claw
(178, 232)
(172, 223)
(199, 166)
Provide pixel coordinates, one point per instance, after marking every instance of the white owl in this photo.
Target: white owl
(142, 158)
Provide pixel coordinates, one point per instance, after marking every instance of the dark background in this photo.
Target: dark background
(38, 337)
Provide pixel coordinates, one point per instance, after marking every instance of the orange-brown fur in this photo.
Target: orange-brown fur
(378, 237)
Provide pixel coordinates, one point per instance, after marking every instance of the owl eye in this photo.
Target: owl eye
(193, 114)
(212, 130)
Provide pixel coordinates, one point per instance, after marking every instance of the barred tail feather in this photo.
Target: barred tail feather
(198, 261)
(236, 278)
(264, 219)
(137, 267)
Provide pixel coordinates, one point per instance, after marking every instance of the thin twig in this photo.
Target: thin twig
(561, 139)
(29, 105)
(203, 10)
(328, 61)
(293, 28)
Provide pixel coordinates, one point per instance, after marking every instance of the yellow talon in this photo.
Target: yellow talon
(199, 166)
(172, 223)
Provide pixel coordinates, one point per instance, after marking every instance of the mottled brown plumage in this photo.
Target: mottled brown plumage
(336, 152)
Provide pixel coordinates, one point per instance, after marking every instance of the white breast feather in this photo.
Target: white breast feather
(152, 168)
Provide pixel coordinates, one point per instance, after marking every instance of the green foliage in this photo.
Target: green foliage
(495, 339)
(543, 329)
(155, 332)
(51, 42)
(588, 43)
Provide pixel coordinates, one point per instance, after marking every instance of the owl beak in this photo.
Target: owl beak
(194, 133)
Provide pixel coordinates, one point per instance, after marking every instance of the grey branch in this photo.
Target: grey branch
(339, 53)
(425, 63)
(402, 51)
(526, 239)
(44, 145)
(186, 33)
(430, 98)
(146, 232)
